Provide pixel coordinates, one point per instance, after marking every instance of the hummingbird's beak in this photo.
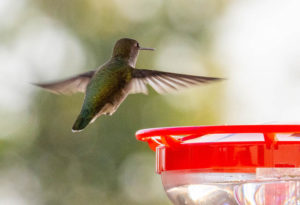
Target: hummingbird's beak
(148, 49)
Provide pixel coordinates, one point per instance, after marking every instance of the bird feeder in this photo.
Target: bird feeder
(228, 165)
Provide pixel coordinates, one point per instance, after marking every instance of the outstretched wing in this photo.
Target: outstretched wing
(165, 82)
(69, 86)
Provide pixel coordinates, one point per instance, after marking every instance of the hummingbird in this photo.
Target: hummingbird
(107, 87)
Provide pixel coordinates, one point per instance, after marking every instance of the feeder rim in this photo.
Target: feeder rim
(166, 135)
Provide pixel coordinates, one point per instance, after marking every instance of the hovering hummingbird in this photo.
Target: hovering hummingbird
(108, 86)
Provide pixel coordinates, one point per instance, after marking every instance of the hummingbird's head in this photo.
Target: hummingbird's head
(128, 49)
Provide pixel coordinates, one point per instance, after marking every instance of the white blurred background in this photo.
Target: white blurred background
(259, 47)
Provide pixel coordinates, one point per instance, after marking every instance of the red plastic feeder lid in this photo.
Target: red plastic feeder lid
(247, 147)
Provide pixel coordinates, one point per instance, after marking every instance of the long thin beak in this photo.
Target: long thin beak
(148, 49)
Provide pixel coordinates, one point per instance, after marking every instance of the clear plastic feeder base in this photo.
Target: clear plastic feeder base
(269, 186)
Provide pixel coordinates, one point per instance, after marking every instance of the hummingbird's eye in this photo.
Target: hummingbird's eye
(137, 45)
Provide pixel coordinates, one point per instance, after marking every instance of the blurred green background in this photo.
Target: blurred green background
(43, 162)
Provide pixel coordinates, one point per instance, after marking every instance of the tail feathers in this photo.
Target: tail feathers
(80, 123)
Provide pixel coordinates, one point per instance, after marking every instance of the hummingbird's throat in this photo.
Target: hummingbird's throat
(132, 61)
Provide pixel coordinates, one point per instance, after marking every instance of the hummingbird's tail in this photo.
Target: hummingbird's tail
(82, 121)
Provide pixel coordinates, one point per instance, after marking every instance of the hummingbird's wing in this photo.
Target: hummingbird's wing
(164, 82)
(69, 86)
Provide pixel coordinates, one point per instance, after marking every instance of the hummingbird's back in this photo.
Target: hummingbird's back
(104, 93)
